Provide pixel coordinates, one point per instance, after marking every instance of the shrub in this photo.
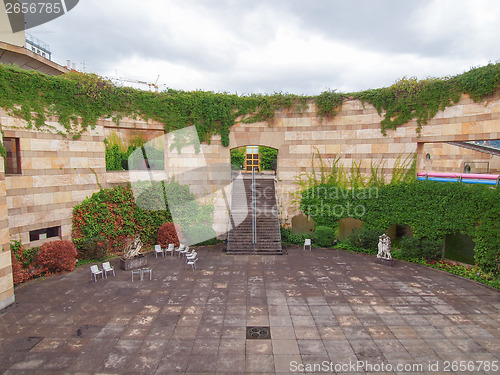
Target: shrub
(95, 248)
(237, 158)
(19, 275)
(167, 234)
(201, 235)
(269, 158)
(417, 248)
(293, 238)
(365, 238)
(487, 248)
(57, 256)
(324, 236)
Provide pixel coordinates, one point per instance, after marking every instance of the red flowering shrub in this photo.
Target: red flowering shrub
(18, 273)
(167, 234)
(57, 256)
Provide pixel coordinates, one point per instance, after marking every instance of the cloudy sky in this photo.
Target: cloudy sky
(295, 46)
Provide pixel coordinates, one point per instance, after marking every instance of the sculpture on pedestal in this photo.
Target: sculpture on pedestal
(384, 247)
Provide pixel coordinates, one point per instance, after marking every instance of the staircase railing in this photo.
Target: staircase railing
(277, 210)
(254, 211)
(230, 220)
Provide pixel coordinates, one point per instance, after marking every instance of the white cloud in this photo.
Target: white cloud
(284, 45)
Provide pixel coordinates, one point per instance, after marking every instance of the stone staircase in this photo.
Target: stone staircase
(267, 235)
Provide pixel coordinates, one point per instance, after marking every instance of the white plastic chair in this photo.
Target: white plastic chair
(192, 263)
(96, 271)
(158, 249)
(106, 267)
(185, 251)
(170, 249)
(191, 256)
(180, 248)
(137, 272)
(307, 242)
(145, 271)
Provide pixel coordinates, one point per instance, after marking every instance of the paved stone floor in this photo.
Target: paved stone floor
(325, 308)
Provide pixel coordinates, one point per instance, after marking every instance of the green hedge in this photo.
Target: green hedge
(237, 158)
(287, 237)
(269, 158)
(421, 248)
(324, 236)
(431, 209)
(365, 238)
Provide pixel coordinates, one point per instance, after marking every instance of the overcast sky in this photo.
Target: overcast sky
(295, 46)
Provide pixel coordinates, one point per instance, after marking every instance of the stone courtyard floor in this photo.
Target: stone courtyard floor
(326, 308)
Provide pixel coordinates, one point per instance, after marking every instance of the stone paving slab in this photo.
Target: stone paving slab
(327, 311)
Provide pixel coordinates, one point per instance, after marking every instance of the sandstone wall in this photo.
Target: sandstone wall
(6, 283)
(58, 172)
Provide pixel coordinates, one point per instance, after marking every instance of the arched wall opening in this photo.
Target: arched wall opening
(254, 157)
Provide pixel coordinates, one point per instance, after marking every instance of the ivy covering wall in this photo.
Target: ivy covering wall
(431, 209)
(79, 100)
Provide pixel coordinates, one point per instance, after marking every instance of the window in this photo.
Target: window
(13, 159)
(41, 234)
(252, 160)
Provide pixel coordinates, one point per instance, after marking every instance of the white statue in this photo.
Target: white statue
(384, 247)
(133, 249)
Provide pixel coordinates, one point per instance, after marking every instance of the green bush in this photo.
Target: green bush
(432, 210)
(201, 235)
(117, 160)
(288, 237)
(324, 236)
(114, 215)
(487, 248)
(421, 248)
(365, 238)
(237, 158)
(269, 158)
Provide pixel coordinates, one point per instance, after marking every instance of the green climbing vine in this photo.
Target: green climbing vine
(79, 100)
(409, 98)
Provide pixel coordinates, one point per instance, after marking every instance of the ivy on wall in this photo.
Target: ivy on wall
(79, 100)
(409, 98)
(431, 209)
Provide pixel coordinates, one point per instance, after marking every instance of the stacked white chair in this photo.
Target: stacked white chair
(170, 249)
(180, 248)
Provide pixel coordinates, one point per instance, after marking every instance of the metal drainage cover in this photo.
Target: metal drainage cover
(258, 333)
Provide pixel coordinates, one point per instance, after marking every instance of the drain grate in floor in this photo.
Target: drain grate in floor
(259, 333)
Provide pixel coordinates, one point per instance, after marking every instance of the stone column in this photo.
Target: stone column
(6, 280)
